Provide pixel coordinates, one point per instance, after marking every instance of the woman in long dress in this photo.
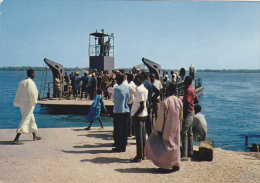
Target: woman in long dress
(163, 145)
(95, 109)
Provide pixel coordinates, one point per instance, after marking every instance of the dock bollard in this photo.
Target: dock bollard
(255, 147)
(246, 143)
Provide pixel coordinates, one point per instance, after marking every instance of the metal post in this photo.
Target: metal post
(246, 143)
(49, 91)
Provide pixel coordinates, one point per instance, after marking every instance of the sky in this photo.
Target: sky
(175, 34)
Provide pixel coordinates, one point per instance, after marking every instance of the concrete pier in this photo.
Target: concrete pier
(77, 155)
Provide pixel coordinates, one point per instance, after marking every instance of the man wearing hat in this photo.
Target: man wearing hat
(85, 83)
(75, 84)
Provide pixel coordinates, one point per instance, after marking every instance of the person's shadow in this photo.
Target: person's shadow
(137, 170)
(8, 143)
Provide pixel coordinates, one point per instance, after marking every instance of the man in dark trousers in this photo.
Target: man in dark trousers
(85, 83)
(139, 113)
(189, 99)
(75, 81)
(121, 114)
(153, 93)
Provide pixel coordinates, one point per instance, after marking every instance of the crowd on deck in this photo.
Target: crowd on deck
(143, 106)
(86, 86)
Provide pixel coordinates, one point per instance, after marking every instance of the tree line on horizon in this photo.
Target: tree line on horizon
(25, 68)
(230, 70)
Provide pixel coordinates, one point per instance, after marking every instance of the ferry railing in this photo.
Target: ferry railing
(94, 50)
(198, 83)
(179, 89)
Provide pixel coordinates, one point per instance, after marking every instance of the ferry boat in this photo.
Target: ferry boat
(101, 56)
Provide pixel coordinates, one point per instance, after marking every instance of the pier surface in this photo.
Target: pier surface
(77, 155)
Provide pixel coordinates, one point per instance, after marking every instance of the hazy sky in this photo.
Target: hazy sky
(209, 35)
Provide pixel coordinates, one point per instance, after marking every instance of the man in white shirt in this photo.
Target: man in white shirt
(26, 98)
(131, 83)
(139, 114)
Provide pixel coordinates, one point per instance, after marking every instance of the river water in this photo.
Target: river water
(230, 103)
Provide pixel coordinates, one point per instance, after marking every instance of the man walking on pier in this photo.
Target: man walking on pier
(26, 98)
(189, 99)
(121, 114)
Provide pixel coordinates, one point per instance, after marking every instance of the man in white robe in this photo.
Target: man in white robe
(26, 98)
(163, 145)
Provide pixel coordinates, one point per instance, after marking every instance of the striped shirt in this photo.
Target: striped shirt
(199, 127)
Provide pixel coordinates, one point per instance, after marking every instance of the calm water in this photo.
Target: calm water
(230, 103)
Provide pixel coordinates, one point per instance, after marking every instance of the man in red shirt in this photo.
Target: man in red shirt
(189, 99)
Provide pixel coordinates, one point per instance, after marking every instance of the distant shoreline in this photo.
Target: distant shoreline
(24, 68)
(230, 70)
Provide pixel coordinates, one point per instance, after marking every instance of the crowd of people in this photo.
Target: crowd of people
(139, 110)
(86, 86)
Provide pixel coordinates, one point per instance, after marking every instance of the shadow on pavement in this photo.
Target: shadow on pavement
(137, 170)
(106, 160)
(88, 151)
(94, 146)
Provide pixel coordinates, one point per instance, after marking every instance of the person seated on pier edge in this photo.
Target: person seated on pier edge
(199, 126)
(95, 109)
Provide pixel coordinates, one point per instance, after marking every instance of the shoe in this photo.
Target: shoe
(136, 160)
(37, 138)
(87, 128)
(184, 158)
(18, 142)
(190, 155)
(117, 150)
(162, 170)
(175, 169)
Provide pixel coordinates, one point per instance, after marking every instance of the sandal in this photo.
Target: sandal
(37, 138)
(136, 160)
(17, 142)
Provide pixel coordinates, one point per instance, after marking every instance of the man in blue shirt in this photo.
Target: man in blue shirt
(121, 114)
